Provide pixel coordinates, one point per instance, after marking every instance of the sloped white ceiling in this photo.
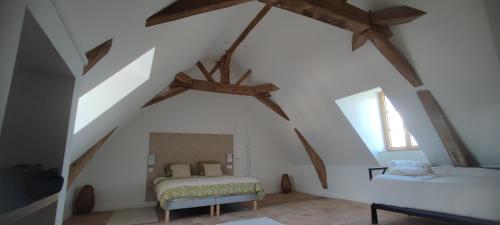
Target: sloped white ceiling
(313, 65)
(178, 46)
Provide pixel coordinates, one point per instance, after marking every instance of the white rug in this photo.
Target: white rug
(256, 221)
(133, 216)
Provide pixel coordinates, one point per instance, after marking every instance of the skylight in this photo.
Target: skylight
(98, 100)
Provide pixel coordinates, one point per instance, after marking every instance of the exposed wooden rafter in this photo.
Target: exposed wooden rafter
(96, 54)
(225, 60)
(262, 92)
(267, 101)
(185, 81)
(458, 152)
(316, 160)
(358, 40)
(395, 16)
(244, 77)
(364, 25)
(205, 72)
(186, 8)
(394, 56)
(336, 13)
(77, 166)
(164, 95)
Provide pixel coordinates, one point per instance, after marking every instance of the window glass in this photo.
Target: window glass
(98, 100)
(397, 136)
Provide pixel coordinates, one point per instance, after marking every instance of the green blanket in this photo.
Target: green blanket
(192, 192)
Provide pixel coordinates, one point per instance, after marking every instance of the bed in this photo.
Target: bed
(206, 191)
(456, 195)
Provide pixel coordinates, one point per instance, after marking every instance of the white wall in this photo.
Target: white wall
(11, 20)
(36, 120)
(349, 182)
(493, 11)
(118, 171)
(12, 14)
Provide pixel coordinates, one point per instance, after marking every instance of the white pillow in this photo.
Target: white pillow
(410, 163)
(180, 170)
(409, 168)
(213, 170)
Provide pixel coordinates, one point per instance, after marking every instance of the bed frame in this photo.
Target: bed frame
(444, 217)
(214, 203)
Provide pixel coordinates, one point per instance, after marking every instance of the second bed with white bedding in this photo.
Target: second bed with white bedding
(471, 196)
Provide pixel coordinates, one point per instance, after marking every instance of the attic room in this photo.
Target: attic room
(240, 112)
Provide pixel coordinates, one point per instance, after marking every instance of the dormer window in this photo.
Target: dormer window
(397, 136)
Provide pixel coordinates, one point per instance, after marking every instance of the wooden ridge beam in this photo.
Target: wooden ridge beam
(186, 8)
(395, 57)
(458, 152)
(395, 16)
(202, 85)
(169, 93)
(267, 101)
(244, 77)
(96, 54)
(316, 160)
(78, 165)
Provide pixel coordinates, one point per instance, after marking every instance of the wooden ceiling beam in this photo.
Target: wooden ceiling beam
(96, 54)
(458, 152)
(395, 16)
(225, 61)
(202, 85)
(316, 160)
(169, 93)
(224, 67)
(205, 72)
(358, 40)
(363, 24)
(336, 13)
(184, 82)
(267, 101)
(244, 77)
(250, 26)
(78, 165)
(395, 57)
(186, 8)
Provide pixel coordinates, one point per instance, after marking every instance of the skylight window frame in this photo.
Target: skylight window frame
(114, 89)
(386, 129)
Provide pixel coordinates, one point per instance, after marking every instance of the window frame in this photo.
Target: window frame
(386, 129)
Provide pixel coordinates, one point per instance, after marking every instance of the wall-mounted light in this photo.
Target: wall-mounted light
(151, 160)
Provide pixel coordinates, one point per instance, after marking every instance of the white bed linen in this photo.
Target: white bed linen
(470, 196)
(166, 184)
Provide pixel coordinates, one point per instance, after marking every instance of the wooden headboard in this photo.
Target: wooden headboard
(171, 148)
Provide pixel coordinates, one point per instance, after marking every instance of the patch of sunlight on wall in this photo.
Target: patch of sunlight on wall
(98, 100)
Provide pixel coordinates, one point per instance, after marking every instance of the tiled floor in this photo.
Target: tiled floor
(290, 209)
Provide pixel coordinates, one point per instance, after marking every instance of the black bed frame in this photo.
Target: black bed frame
(444, 217)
